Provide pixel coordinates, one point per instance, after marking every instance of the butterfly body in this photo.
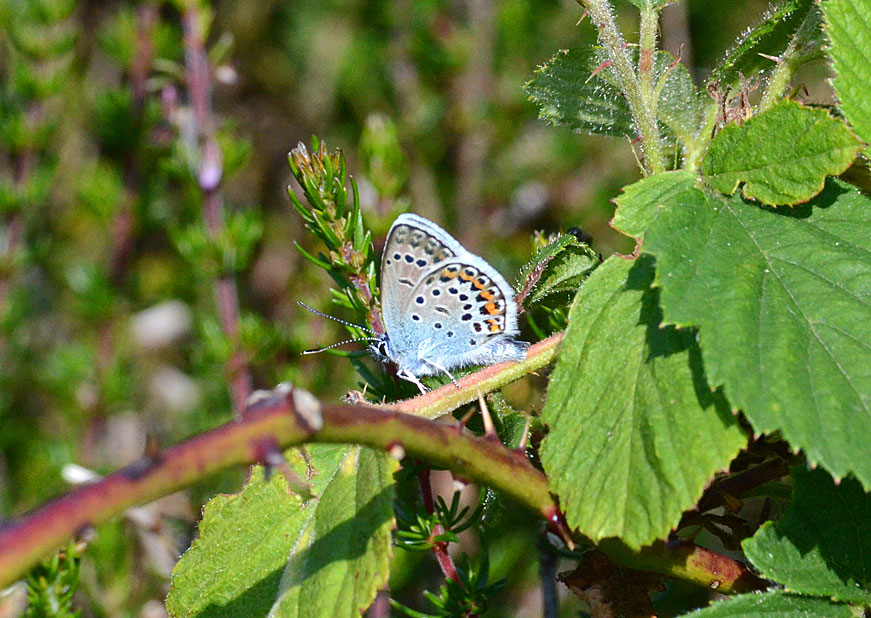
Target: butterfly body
(443, 308)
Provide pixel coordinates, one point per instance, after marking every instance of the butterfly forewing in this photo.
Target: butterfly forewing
(409, 253)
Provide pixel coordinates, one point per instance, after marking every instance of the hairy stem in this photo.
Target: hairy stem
(801, 49)
(645, 117)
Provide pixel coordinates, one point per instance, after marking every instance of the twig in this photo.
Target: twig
(209, 178)
(797, 53)
(439, 548)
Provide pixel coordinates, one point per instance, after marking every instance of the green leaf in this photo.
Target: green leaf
(769, 36)
(776, 604)
(782, 302)
(849, 31)
(567, 95)
(782, 155)
(642, 201)
(265, 551)
(635, 431)
(805, 552)
(565, 272)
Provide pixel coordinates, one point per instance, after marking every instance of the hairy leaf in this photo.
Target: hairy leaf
(782, 302)
(642, 201)
(635, 431)
(565, 272)
(265, 551)
(769, 36)
(782, 155)
(568, 93)
(776, 604)
(822, 544)
(849, 31)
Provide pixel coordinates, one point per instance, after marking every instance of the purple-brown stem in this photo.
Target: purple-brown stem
(439, 548)
(209, 178)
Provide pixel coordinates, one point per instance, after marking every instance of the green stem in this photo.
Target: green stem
(448, 398)
(697, 149)
(799, 51)
(645, 116)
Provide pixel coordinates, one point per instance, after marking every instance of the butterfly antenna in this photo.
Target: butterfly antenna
(336, 345)
(340, 321)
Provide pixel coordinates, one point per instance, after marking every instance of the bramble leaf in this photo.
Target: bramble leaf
(850, 34)
(782, 304)
(635, 431)
(805, 552)
(782, 155)
(266, 551)
(775, 604)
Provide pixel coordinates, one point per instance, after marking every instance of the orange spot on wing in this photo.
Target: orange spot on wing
(487, 295)
(494, 326)
(491, 308)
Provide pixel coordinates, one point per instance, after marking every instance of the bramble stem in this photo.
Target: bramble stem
(645, 116)
(291, 419)
(799, 51)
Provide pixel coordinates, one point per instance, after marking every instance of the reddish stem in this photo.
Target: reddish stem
(439, 548)
(209, 178)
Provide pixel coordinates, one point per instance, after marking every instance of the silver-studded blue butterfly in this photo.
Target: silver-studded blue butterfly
(443, 308)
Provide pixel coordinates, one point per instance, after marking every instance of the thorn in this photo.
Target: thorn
(521, 446)
(584, 16)
(604, 65)
(489, 429)
(274, 459)
(776, 59)
(558, 522)
(465, 419)
(152, 447)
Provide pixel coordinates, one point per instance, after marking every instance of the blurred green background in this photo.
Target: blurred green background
(109, 336)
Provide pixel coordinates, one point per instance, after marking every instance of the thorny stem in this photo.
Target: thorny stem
(645, 116)
(796, 54)
(287, 419)
(647, 56)
(209, 178)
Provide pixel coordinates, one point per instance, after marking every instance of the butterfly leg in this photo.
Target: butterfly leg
(410, 377)
(443, 370)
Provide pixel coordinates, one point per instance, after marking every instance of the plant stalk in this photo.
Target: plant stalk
(645, 117)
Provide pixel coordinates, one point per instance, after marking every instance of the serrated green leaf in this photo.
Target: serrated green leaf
(776, 604)
(782, 302)
(769, 36)
(565, 272)
(805, 552)
(566, 94)
(635, 432)
(782, 155)
(642, 201)
(849, 31)
(544, 254)
(266, 552)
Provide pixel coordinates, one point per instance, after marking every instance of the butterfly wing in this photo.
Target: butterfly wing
(413, 246)
(444, 307)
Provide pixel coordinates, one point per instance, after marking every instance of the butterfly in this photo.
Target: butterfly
(442, 307)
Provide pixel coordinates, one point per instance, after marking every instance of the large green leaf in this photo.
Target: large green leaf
(567, 93)
(635, 431)
(264, 551)
(642, 201)
(822, 544)
(783, 304)
(776, 604)
(782, 155)
(849, 31)
(770, 36)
